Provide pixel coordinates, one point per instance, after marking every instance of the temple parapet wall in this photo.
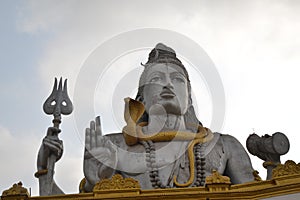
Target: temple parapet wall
(286, 181)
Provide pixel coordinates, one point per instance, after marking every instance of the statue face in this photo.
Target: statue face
(165, 85)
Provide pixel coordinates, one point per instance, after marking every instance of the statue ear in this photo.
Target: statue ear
(139, 98)
(190, 103)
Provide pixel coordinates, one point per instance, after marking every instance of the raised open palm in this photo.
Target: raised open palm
(100, 157)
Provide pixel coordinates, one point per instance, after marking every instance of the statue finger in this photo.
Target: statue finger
(53, 131)
(56, 143)
(92, 125)
(98, 131)
(53, 147)
(93, 139)
(92, 135)
(88, 139)
(98, 125)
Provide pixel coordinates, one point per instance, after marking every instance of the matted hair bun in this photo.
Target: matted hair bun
(162, 53)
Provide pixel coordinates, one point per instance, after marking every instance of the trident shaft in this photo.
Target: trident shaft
(57, 103)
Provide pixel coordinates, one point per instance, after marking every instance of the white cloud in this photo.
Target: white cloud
(69, 173)
(40, 17)
(18, 159)
(254, 44)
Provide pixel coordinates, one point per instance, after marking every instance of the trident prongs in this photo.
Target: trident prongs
(58, 102)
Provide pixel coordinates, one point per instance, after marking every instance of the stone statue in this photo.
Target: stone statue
(163, 145)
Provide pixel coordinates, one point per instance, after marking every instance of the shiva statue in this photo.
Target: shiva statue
(163, 145)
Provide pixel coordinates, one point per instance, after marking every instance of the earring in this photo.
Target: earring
(140, 99)
(190, 102)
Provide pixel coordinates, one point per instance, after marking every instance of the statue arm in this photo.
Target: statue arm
(100, 156)
(43, 191)
(103, 157)
(50, 146)
(238, 167)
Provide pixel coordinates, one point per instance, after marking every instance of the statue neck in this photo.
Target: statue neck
(167, 122)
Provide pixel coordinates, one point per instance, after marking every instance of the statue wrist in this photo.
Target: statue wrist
(85, 186)
(40, 172)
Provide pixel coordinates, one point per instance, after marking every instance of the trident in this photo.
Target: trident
(56, 104)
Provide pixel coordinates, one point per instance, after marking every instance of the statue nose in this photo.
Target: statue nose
(168, 83)
(169, 86)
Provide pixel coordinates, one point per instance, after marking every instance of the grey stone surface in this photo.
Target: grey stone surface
(165, 91)
(57, 104)
(268, 148)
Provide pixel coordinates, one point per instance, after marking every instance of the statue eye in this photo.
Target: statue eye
(178, 79)
(155, 79)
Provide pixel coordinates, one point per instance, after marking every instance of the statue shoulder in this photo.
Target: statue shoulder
(231, 144)
(238, 165)
(229, 139)
(223, 141)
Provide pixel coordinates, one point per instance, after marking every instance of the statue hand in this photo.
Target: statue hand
(50, 145)
(100, 157)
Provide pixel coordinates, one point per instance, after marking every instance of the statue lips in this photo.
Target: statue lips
(167, 93)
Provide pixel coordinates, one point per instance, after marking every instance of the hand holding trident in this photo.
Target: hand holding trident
(57, 103)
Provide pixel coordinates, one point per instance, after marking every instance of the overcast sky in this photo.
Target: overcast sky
(254, 46)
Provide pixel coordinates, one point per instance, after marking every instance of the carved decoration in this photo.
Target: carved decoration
(217, 178)
(16, 189)
(216, 182)
(117, 182)
(256, 176)
(288, 168)
(81, 186)
(288, 185)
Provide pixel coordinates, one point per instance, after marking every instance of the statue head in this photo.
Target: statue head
(165, 83)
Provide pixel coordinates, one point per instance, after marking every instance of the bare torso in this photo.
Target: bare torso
(172, 160)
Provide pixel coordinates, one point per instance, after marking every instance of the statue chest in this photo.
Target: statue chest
(215, 159)
(171, 159)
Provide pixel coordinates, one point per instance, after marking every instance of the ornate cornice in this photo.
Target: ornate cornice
(288, 168)
(217, 189)
(256, 176)
(116, 182)
(216, 182)
(216, 177)
(16, 189)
